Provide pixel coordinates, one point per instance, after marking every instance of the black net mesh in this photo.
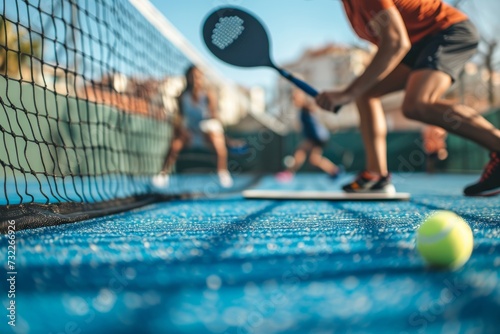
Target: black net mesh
(87, 93)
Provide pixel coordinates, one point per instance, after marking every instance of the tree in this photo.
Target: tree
(17, 48)
(485, 17)
(489, 61)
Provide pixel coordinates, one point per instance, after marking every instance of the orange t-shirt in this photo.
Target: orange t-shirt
(421, 17)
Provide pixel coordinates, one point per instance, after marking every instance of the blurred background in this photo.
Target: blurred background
(314, 39)
(88, 109)
(60, 50)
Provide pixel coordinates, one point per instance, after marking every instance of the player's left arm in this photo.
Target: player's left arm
(393, 44)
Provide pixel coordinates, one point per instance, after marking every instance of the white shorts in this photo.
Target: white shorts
(211, 126)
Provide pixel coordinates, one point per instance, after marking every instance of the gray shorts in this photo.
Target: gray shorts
(446, 51)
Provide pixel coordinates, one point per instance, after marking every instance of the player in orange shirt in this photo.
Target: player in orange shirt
(423, 45)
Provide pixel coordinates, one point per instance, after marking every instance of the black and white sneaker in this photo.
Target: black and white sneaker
(489, 184)
(366, 182)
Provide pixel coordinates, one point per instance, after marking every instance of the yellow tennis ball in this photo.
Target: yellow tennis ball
(445, 240)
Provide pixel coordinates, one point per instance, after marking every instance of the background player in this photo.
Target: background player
(316, 136)
(197, 122)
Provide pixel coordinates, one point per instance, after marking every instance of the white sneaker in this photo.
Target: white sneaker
(225, 178)
(161, 180)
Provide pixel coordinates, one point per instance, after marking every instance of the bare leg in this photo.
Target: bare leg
(372, 119)
(317, 159)
(219, 144)
(162, 179)
(172, 155)
(424, 103)
(300, 156)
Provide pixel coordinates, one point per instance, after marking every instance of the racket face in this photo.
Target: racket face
(237, 38)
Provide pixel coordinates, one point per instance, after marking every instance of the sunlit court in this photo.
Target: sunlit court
(249, 167)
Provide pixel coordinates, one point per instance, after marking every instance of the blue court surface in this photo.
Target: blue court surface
(228, 265)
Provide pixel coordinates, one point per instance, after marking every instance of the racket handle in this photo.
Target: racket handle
(302, 85)
(297, 82)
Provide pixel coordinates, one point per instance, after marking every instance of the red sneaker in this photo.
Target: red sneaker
(366, 182)
(489, 184)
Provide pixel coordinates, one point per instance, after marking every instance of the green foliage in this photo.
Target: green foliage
(17, 48)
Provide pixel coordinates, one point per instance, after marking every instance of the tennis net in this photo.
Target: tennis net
(88, 90)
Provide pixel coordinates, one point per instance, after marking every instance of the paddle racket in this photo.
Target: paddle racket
(238, 38)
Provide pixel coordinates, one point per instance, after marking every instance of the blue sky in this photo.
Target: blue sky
(294, 26)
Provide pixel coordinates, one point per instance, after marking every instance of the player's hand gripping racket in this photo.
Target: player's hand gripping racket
(238, 38)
